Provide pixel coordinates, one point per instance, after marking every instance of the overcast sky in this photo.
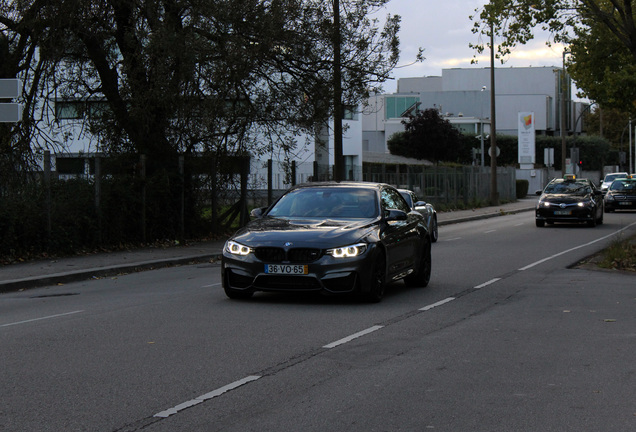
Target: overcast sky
(443, 29)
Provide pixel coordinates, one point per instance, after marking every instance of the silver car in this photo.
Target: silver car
(609, 178)
(425, 209)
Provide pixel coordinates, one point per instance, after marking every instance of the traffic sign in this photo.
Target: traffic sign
(10, 112)
(10, 89)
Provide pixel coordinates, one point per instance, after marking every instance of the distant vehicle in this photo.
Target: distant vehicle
(609, 178)
(621, 195)
(425, 209)
(570, 199)
(334, 238)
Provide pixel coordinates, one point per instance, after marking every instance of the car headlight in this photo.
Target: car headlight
(348, 251)
(543, 204)
(584, 203)
(236, 248)
(609, 197)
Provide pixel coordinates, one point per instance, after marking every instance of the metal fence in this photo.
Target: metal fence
(451, 186)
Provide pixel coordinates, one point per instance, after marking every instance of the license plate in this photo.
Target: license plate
(562, 212)
(624, 203)
(286, 269)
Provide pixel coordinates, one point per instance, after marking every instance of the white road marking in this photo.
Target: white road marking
(491, 281)
(536, 263)
(439, 303)
(40, 319)
(207, 396)
(211, 285)
(353, 336)
(452, 239)
(488, 232)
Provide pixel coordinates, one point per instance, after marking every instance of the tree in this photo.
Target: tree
(184, 76)
(427, 136)
(600, 35)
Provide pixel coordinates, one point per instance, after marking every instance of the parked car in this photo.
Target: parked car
(425, 209)
(609, 178)
(570, 199)
(621, 195)
(329, 237)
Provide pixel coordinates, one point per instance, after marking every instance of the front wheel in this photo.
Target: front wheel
(422, 275)
(434, 233)
(540, 223)
(378, 279)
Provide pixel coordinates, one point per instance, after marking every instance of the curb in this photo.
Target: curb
(100, 272)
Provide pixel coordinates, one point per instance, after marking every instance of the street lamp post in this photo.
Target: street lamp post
(562, 121)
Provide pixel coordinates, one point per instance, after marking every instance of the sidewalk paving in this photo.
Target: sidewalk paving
(70, 269)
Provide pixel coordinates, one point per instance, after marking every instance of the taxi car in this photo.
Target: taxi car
(331, 238)
(621, 195)
(569, 200)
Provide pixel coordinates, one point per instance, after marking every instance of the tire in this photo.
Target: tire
(599, 221)
(434, 230)
(540, 223)
(422, 277)
(592, 223)
(378, 279)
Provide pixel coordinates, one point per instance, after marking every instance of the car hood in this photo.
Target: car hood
(622, 193)
(565, 198)
(315, 233)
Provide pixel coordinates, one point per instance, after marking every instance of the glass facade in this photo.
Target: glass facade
(394, 106)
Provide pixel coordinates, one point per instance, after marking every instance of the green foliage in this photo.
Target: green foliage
(598, 34)
(620, 255)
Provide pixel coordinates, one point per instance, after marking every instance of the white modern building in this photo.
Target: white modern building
(463, 96)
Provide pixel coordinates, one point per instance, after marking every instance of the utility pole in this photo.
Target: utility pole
(338, 169)
(494, 195)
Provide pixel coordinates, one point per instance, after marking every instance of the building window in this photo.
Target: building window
(395, 106)
(76, 110)
(350, 113)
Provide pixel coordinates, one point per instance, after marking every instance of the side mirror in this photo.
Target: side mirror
(257, 212)
(395, 215)
(539, 192)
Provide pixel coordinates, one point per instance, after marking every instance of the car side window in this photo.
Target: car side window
(392, 200)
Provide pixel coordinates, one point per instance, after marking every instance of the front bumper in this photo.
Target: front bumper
(326, 274)
(570, 213)
(620, 203)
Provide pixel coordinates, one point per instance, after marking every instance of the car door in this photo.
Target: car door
(400, 237)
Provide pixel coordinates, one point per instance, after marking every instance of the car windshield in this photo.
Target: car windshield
(568, 188)
(611, 177)
(624, 186)
(327, 203)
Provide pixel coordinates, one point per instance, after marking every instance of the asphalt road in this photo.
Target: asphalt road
(505, 338)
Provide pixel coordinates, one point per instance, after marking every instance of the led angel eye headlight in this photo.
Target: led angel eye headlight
(348, 251)
(237, 248)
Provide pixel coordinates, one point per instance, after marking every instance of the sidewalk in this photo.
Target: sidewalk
(64, 270)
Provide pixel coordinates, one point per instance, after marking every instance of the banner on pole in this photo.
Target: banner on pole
(526, 138)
